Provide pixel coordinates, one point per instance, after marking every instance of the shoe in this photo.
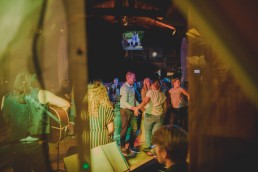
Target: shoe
(134, 149)
(146, 149)
(125, 151)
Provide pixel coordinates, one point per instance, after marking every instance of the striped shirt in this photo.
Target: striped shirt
(98, 126)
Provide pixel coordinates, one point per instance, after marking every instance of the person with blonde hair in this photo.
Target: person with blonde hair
(146, 87)
(100, 114)
(27, 124)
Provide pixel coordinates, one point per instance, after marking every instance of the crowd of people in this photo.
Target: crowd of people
(162, 106)
(155, 108)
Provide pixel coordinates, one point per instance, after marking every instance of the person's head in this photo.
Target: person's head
(139, 84)
(24, 82)
(146, 83)
(164, 84)
(116, 81)
(171, 144)
(176, 82)
(99, 80)
(155, 85)
(130, 78)
(66, 86)
(112, 87)
(97, 95)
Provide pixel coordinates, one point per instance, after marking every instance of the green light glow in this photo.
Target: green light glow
(85, 166)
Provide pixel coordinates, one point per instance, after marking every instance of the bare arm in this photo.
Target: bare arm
(145, 101)
(48, 97)
(186, 93)
(110, 127)
(110, 123)
(140, 106)
(143, 93)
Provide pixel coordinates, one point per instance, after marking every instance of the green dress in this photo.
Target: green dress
(98, 126)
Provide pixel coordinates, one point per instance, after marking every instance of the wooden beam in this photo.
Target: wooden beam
(124, 11)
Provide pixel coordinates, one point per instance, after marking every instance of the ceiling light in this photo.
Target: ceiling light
(154, 54)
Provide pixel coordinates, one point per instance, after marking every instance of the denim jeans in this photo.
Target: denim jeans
(151, 124)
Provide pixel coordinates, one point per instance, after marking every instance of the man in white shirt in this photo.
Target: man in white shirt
(128, 119)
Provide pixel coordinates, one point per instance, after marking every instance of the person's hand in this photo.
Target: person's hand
(71, 124)
(71, 128)
(135, 110)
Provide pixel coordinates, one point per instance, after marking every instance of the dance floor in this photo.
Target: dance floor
(138, 162)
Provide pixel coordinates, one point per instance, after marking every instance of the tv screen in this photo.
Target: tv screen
(132, 40)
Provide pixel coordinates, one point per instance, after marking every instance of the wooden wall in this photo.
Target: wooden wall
(223, 113)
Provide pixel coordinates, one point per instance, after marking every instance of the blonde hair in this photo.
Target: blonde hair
(23, 84)
(97, 95)
(145, 88)
(144, 83)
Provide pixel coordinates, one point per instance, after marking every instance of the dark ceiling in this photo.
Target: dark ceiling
(108, 19)
(143, 13)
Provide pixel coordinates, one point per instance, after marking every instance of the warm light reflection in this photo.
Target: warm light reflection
(226, 56)
(165, 25)
(13, 21)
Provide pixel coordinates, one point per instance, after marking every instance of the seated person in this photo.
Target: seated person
(171, 148)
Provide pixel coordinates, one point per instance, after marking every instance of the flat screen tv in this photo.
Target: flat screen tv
(132, 40)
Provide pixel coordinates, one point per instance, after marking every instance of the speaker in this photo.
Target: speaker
(72, 163)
